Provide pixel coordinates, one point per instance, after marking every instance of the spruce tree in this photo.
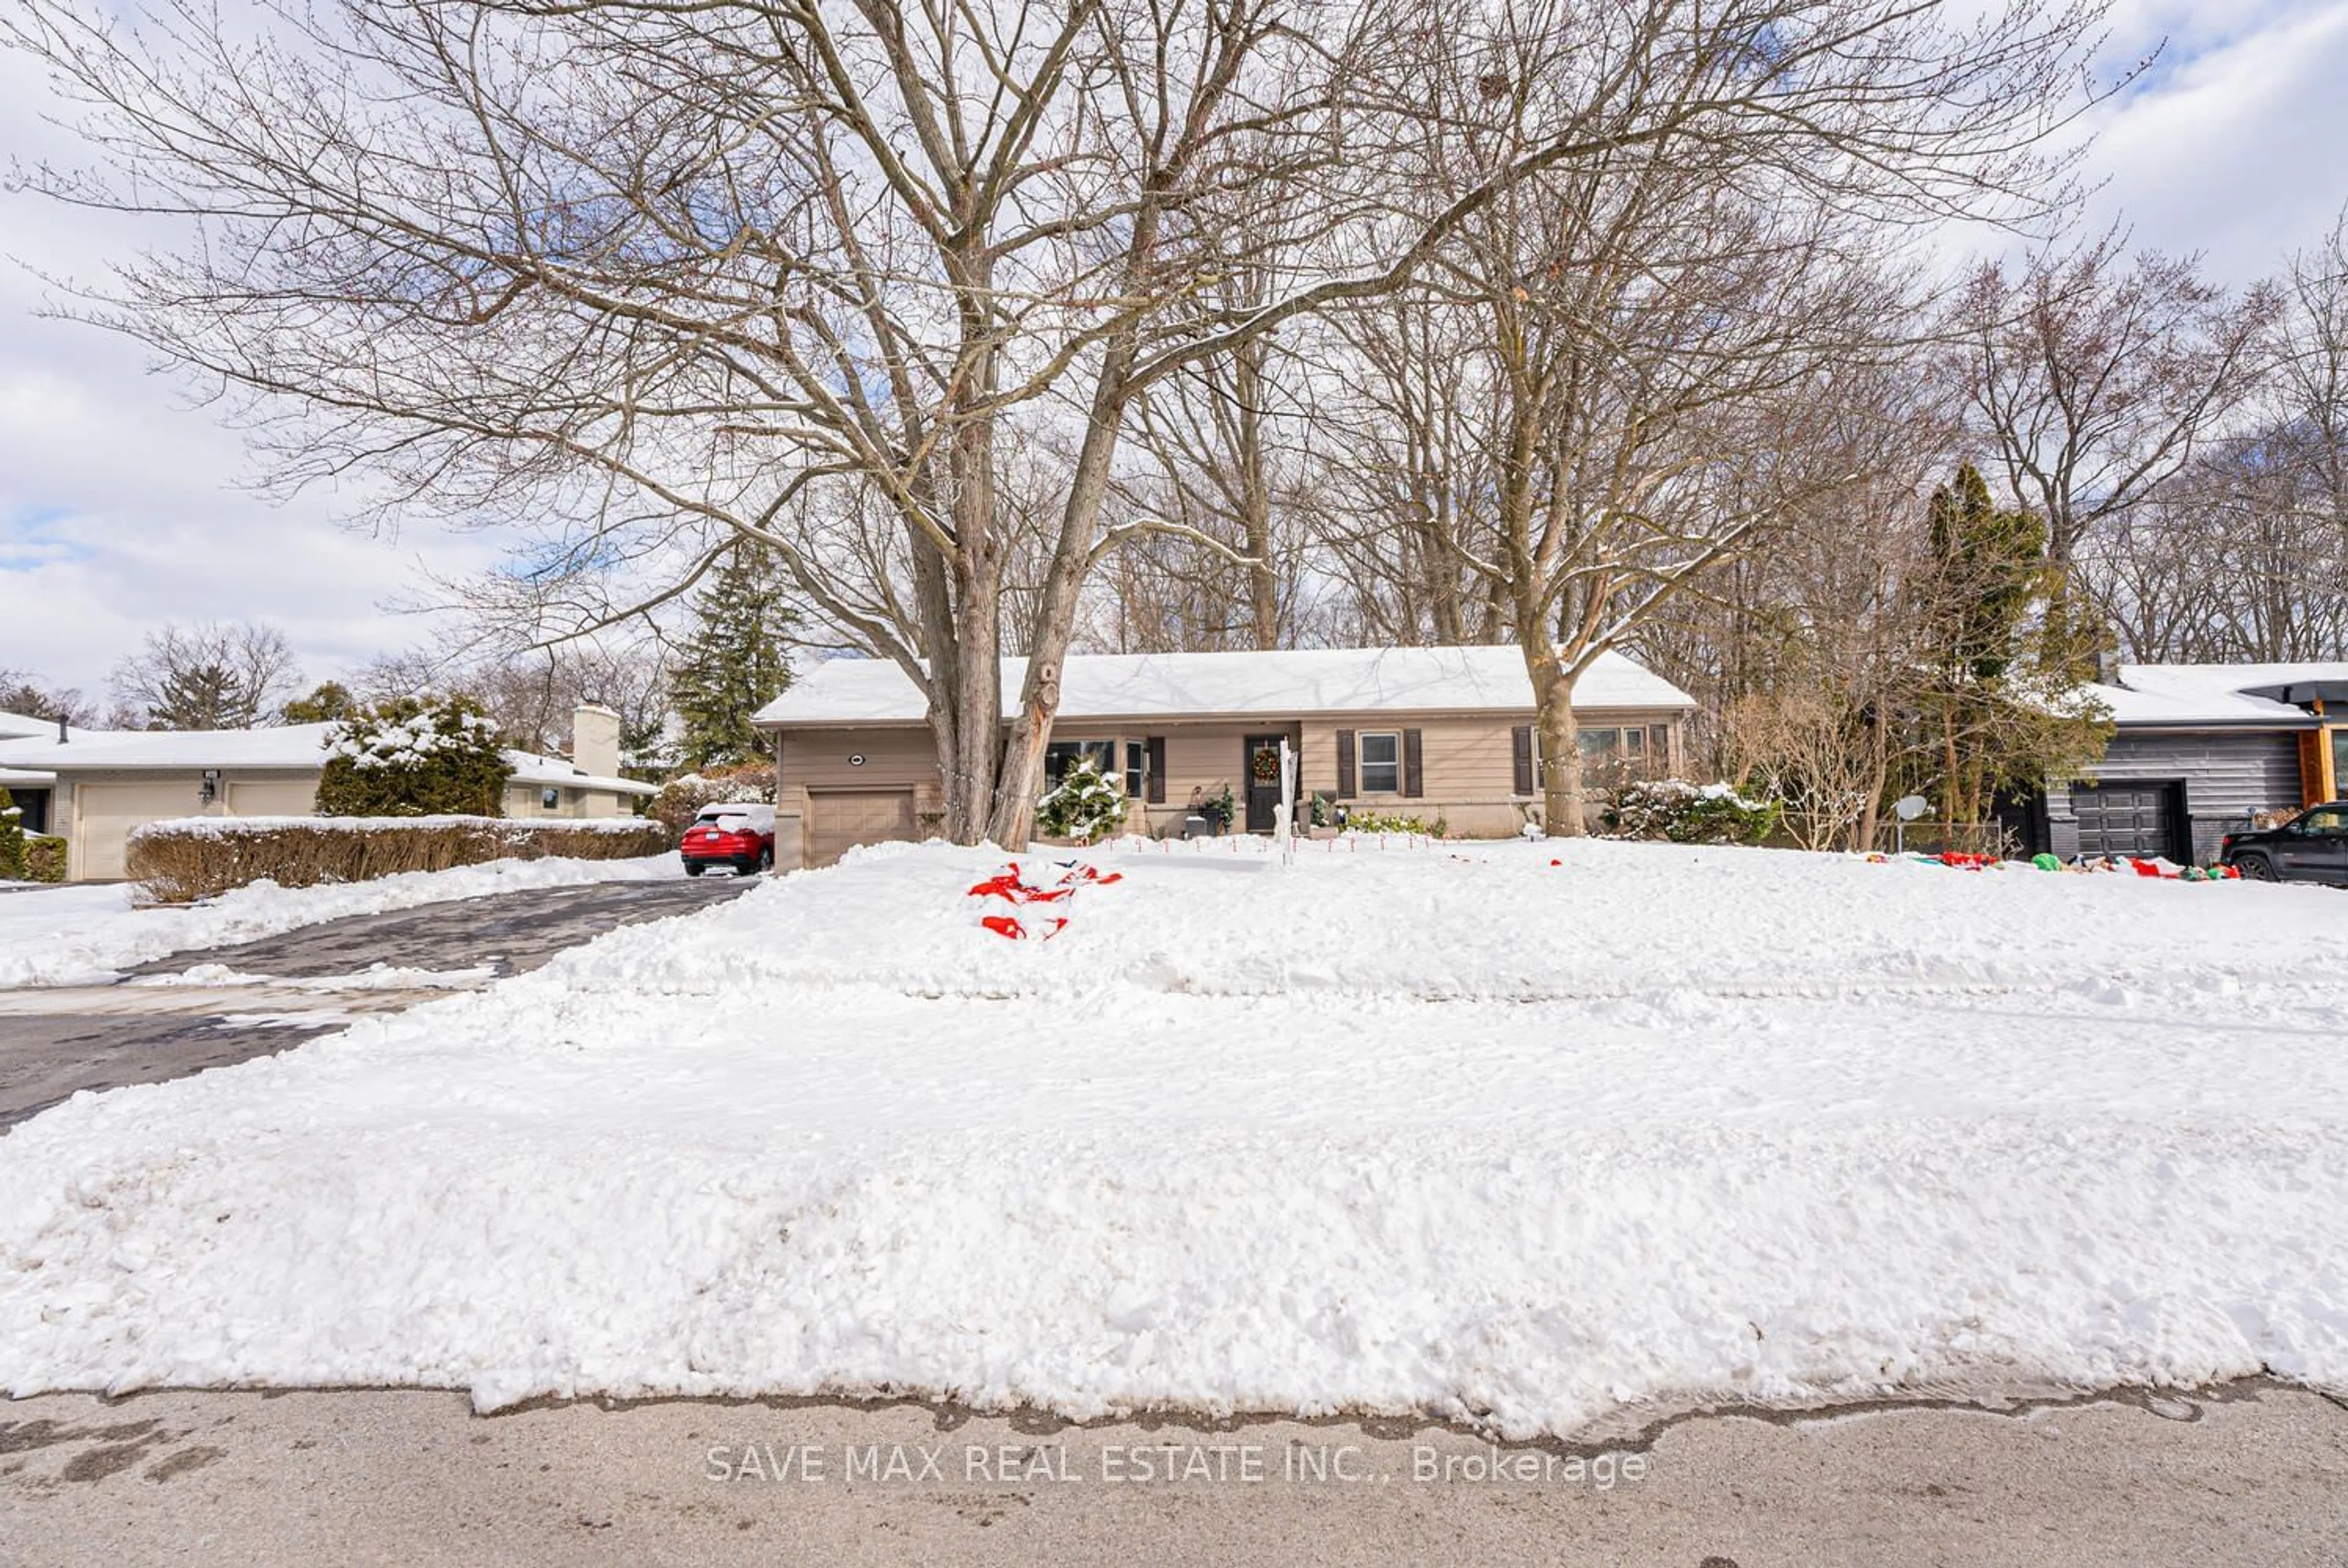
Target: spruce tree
(2007, 710)
(733, 661)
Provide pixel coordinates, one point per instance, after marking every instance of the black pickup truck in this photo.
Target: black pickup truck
(2310, 847)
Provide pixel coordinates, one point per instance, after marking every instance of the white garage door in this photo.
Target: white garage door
(104, 814)
(845, 818)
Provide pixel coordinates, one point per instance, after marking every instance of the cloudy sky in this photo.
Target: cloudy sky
(123, 505)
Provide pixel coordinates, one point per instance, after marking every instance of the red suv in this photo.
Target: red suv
(741, 836)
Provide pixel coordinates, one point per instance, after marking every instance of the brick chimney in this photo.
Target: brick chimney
(595, 741)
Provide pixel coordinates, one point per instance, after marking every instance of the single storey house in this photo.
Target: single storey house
(2198, 750)
(91, 787)
(1431, 732)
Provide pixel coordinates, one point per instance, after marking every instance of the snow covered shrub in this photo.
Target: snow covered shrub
(187, 859)
(12, 839)
(1686, 813)
(1084, 805)
(740, 784)
(414, 756)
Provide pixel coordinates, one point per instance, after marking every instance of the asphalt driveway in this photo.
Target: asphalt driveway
(55, 1042)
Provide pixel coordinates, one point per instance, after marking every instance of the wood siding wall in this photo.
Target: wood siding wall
(2226, 775)
(895, 757)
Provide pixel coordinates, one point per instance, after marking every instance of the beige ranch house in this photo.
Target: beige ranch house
(91, 787)
(1429, 733)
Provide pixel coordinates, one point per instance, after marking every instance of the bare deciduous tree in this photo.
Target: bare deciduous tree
(28, 695)
(211, 676)
(1646, 339)
(2094, 379)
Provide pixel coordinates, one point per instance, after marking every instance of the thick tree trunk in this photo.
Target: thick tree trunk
(1014, 817)
(1560, 743)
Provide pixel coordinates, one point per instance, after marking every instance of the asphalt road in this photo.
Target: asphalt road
(2248, 1474)
(56, 1043)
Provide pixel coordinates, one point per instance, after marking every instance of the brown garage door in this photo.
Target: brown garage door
(844, 819)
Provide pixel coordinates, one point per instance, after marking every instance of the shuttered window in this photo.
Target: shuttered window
(1381, 762)
(1521, 748)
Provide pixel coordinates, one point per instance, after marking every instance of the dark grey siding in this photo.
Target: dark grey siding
(2226, 775)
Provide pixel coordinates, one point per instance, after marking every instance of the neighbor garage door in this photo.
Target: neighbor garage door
(2120, 819)
(104, 814)
(273, 797)
(844, 819)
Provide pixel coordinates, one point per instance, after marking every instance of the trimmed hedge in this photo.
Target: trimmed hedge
(45, 858)
(194, 857)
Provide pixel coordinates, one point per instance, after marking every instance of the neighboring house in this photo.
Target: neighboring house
(2197, 749)
(1430, 733)
(91, 787)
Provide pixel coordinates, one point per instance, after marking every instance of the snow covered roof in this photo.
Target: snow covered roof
(14, 727)
(530, 768)
(287, 746)
(2215, 695)
(1489, 679)
(290, 747)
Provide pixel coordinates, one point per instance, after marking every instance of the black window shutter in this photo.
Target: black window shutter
(1520, 743)
(1154, 790)
(1414, 774)
(1345, 764)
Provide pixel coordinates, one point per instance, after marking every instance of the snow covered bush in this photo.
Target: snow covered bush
(1085, 806)
(740, 784)
(1687, 812)
(414, 756)
(186, 859)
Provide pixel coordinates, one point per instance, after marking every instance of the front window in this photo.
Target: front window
(2340, 761)
(1137, 769)
(1602, 755)
(1059, 754)
(1381, 763)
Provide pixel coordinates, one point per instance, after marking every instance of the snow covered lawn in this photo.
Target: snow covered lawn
(85, 933)
(1460, 1131)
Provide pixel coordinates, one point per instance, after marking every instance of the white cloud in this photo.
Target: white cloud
(2231, 147)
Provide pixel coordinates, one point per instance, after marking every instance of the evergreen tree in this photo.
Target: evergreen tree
(735, 661)
(2005, 700)
(414, 756)
(330, 702)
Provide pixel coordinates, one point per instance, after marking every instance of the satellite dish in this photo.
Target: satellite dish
(1908, 808)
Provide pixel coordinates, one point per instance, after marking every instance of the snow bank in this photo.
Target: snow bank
(84, 935)
(1491, 920)
(1470, 1134)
